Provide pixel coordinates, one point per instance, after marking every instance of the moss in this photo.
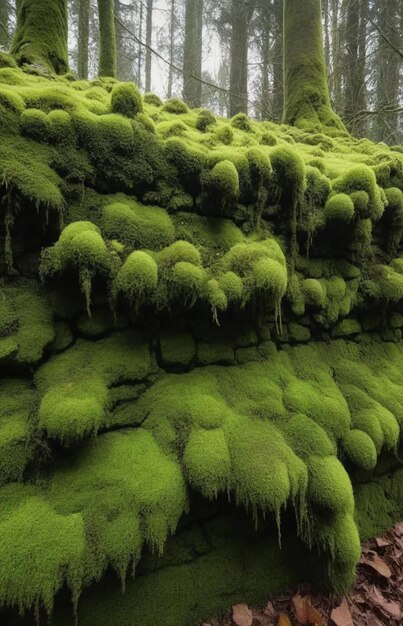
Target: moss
(314, 292)
(126, 100)
(232, 286)
(177, 348)
(41, 35)
(299, 333)
(268, 139)
(35, 124)
(205, 119)
(153, 99)
(137, 225)
(340, 207)
(225, 134)
(176, 106)
(242, 122)
(207, 461)
(137, 279)
(362, 178)
(346, 328)
(222, 182)
(329, 487)
(360, 449)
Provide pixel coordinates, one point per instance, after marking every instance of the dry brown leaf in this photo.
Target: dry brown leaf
(393, 609)
(378, 564)
(284, 620)
(381, 542)
(242, 615)
(270, 610)
(341, 616)
(305, 612)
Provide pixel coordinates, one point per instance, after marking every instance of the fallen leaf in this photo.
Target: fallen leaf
(393, 609)
(372, 620)
(341, 616)
(270, 610)
(283, 620)
(382, 543)
(242, 615)
(379, 565)
(305, 612)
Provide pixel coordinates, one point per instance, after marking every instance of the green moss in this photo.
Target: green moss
(268, 139)
(176, 106)
(207, 461)
(232, 286)
(242, 122)
(346, 328)
(35, 124)
(126, 100)
(153, 99)
(222, 182)
(41, 35)
(225, 134)
(137, 279)
(314, 292)
(137, 225)
(340, 208)
(362, 178)
(205, 119)
(177, 348)
(329, 487)
(360, 449)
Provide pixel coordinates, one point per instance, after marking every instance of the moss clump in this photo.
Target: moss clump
(126, 100)
(176, 106)
(35, 124)
(232, 286)
(137, 225)
(314, 292)
(329, 487)
(222, 182)
(225, 134)
(242, 122)
(340, 207)
(177, 349)
(362, 178)
(360, 449)
(137, 279)
(205, 119)
(153, 99)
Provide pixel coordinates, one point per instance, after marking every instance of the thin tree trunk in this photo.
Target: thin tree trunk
(265, 54)
(241, 13)
(192, 64)
(149, 28)
(171, 49)
(278, 58)
(387, 88)
(107, 39)
(4, 16)
(140, 50)
(306, 93)
(355, 96)
(41, 35)
(83, 35)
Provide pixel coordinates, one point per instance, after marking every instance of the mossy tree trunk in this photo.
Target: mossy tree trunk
(171, 49)
(306, 94)
(107, 39)
(41, 35)
(192, 65)
(83, 35)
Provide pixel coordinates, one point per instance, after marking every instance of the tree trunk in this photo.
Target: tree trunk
(355, 92)
(171, 49)
(41, 35)
(241, 14)
(83, 35)
(140, 50)
(192, 64)
(107, 39)
(278, 58)
(387, 87)
(306, 93)
(266, 20)
(149, 28)
(4, 36)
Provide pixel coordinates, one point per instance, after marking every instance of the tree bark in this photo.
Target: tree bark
(355, 93)
(41, 35)
(306, 93)
(107, 39)
(387, 87)
(83, 35)
(192, 64)
(149, 28)
(171, 49)
(4, 16)
(278, 57)
(241, 14)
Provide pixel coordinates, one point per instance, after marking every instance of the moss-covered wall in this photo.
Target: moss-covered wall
(189, 305)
